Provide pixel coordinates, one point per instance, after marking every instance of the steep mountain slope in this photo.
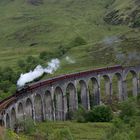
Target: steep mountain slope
(28, 27)
(124, 12)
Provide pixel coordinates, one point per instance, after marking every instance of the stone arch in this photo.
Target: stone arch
(132, 71)
(29, 108)
(105, 82)
(71, 98)
(83, 96)
(139, 83)
(13, 118)
(2, 122)
(131, 83)
(94, 92)
(59, 104)
(7, 121)
(48, 105)
(38, 107)
(20, 111)
(117, 87)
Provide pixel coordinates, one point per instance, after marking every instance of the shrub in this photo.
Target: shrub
(97, 114)
(62, 50)
(21, 64)
(137, 131)
(10, 135)
(4, 95)
(100, 113)
(138, 100)
(118, 123)
(126, 126)
(27, 125)
(4, 85)
(128, 109)
(46, 55)
(12, 89)
(123, 136)
(70, 115)
(80, 114)
(119, 131)
(136, 22)
(78, 41)
(31, 63)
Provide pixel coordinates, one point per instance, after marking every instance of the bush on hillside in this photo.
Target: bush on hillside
(70, 115)
(78, 41)
(128, 110)
(119, 131)
(27, 125)
(100, 113)
(137, 131)
(80, 114)
(136, 22)
(138, 100)
(29, 63)
(62, 50)
(126, 126)
(46, 55)
(21, 63)
(4, 85)
(3, 95)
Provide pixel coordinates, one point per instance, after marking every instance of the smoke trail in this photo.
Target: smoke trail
(53, 65)
(70, 60)
(111, 40)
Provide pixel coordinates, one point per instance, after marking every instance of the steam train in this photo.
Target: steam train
(29, 87)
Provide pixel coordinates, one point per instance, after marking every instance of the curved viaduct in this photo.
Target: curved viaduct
(54, 98)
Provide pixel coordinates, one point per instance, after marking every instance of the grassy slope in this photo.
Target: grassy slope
(52, 24)
(79, 131)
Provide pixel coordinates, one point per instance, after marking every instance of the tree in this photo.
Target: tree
(4, 85)
(21, 64)
(78, 41)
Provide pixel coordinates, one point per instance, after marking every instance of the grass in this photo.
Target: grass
(79, 131)
(52, 24)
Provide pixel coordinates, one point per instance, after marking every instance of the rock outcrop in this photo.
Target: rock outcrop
(127, 15)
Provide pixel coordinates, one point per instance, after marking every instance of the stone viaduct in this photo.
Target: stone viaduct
(54, 98)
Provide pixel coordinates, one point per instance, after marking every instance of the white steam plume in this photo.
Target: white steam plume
(70, 60)
(53, 65)
(111, 40)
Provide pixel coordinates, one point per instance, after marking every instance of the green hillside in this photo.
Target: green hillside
(93, 33)
(29, 27)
